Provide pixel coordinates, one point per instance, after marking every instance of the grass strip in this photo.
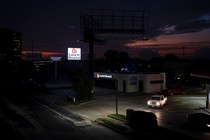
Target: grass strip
(118, 117)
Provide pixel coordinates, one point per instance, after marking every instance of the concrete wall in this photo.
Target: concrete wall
(152, 82)
(131, 82)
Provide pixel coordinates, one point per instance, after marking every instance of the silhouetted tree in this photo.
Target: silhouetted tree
(114, 59)
(171, 57)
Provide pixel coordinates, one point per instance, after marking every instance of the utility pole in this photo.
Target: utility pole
(32, 51)
(91, 38)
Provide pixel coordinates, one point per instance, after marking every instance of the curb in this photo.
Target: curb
(115, 125)
(205, 109)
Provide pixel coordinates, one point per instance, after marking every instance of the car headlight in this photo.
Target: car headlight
(158, 103)
(208, 125)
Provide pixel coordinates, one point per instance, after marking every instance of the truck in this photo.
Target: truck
(173, 91)
(157, 101)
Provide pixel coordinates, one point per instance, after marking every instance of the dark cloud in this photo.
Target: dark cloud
(184, 15)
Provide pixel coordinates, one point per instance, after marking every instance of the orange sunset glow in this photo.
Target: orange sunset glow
(176, 44)
(45, 55)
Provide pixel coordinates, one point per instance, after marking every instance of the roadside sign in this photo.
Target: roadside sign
(74, 53)
(55, 58)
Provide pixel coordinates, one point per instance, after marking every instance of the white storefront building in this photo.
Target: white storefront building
(141, 82)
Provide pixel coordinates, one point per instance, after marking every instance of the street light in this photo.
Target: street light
(116, 103)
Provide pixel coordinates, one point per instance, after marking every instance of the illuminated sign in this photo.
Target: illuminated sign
(133, 80)
(74, 53)
(103, 75)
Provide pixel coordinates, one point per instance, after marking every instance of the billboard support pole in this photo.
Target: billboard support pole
(91, 38)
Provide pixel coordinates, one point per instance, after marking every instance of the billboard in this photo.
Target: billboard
(74, 54)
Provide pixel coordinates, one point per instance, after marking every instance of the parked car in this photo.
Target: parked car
(200, 121)
(157, 101)
(143, 121)
(173, 91)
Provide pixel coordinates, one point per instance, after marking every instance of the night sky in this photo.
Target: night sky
(53, 26)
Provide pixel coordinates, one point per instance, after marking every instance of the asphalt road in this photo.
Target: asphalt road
(172, 116)
(29, 118)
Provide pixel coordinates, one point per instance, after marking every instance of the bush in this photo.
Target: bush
(83, 87)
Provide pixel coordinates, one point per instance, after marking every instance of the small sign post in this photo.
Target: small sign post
(55, 59)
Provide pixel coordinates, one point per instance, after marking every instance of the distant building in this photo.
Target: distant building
(10, 49)
(136, 82)
(33, 56)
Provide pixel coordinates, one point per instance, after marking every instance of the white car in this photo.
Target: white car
(157, 101)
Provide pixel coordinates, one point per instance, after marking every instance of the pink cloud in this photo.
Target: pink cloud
(174, 44)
